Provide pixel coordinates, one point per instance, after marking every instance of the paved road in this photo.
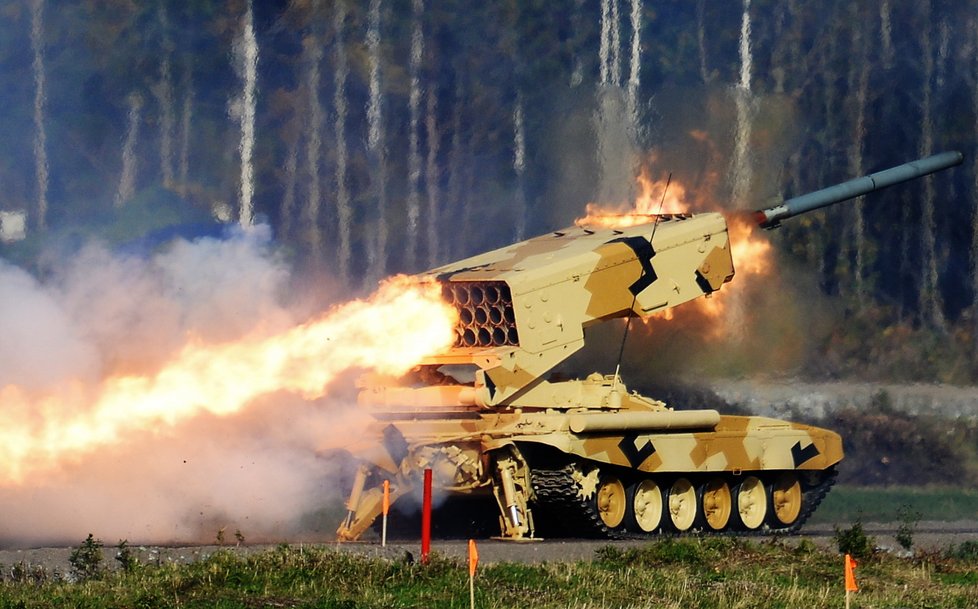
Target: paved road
(929, 535)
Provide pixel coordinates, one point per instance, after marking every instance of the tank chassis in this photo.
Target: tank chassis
(588, 457)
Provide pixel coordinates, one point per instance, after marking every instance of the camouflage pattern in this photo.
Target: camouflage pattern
(552, 287)
(588, 454)
(523, 309)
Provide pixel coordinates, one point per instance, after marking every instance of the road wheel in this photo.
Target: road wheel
(682, 505)
(647, 505)
(751, 502)
(611, 501)
(786, 499)
(717, 504)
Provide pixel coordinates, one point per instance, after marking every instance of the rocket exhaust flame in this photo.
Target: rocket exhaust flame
(404, 321)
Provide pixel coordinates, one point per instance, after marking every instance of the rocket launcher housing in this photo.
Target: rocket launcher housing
(523, 308)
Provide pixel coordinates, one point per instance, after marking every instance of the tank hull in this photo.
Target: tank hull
(614, 473)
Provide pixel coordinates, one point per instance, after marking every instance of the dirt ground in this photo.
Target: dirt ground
(928, 536)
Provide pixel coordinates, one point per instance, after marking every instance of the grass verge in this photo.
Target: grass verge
(883, 504)
(715, 572)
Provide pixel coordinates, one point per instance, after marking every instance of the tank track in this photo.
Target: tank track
(557, 499)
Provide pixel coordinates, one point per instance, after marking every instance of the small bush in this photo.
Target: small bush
(909, 519)
(26, 573)
(86, 560)
(125, 556)
(854, 541)
(806, 547)
(966, 550)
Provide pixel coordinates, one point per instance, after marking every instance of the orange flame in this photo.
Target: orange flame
(404, 321)
(751, 253)
(653, 198)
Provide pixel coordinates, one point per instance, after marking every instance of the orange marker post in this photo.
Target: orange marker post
(473, 563)
(387, 508)
(850, 578)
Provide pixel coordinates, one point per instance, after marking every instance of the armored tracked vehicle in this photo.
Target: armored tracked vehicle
(588, 454)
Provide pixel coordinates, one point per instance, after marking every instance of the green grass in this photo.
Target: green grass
(881, 504)
(710, 573)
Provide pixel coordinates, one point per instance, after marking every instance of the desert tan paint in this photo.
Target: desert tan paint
(470, 434)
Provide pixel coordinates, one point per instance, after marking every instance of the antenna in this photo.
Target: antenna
(628, 319)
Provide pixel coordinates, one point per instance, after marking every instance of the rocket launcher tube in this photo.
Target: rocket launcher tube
(772, 216)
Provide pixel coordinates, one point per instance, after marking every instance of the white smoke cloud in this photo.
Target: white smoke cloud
(103, 313)
(38, 338)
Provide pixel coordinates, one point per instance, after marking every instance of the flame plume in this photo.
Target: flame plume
(404, 321)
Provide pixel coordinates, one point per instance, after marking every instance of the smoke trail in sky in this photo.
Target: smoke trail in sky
(312, 54)
(343, 211)
(127, 178)
(414, 150)
(165, 98)
(40, 135)
(740, 168)
(519, 165)
(246, 54)
(376, 143)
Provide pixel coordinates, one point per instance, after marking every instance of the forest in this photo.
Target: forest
(384, 136)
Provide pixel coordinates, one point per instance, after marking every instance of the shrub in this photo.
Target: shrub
(86, 559)
(966, 550)
(854, 541)
(908, 525)
(124, 554)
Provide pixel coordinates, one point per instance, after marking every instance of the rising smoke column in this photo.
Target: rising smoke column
(127, 177)
(343, 212)
(519, 165)
(165, 99)
(246, 65)
(312, 54)
(614, 35)
(40, 134)
(414, 146)
(740, 167)
(616, 120)
(634, 74)
(376, 144)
